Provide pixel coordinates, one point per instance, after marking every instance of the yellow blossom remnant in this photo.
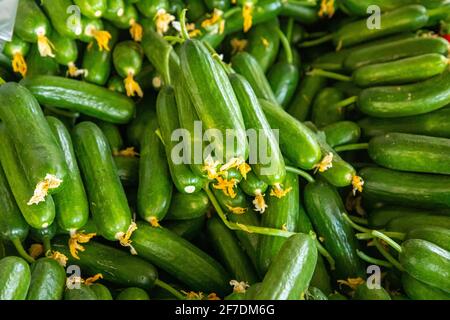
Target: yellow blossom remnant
(277, 191)
(352, 282)
(247, 15)
(40, 192)
(36, 250)
(238, 45)
(243, 227)
(19, 64)
(321, 239)
(213, 296)
(102, 37)
(327, 8)
(45, 46)
(265, 42)
(357, 183)
(127, 152)
(244, 168)
(154, 222)
(162, 21)
(211, 167)
(215, 19)
(238, 163)
(236, 210)
(89, 281)
(74, 242)
(325, 164)
(131, 86)
(124, 238)
(192, 30)
(73, 71)
(239, 287)
(58, 256)
(135, 30)
(260, 203)
(227, 186)
(284, 227)
(191, 295)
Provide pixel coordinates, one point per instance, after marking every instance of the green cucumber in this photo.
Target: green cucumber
(48, 279)
(97, 64)
(44, 235)
(359, 7)
(187, 229)
(31, 24)
(16, 50)
(324, 111)
(91, 8)
(38, 215)
(263, 43)
(101, 291)
(314, 293)
(304, 14)
(114, 9)
(70, 203)
(407, 152)
(84, 292)
(404, 188)
(82, 97)
(289, 275)
(247, 66)
(115, 83)
(280, 213)
(408, 223)
(107, 199)
(297, 142)
(435, 234)
(180, 259)
(155, 186)
(127, 170)
(363, 292)
(64, 17)
(341, 133)
(324, 207)
(144, 113)
(133, 294)
(188, 206)
(66, 50)
(230, 253)
(127, 59)
(417, 290)
(130, 15)
(38, 65)
(150, 8)
(14, 278)
(112, 134)
(426, 262)
(253, 186)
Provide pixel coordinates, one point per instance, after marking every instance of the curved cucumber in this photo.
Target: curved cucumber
(48, 279)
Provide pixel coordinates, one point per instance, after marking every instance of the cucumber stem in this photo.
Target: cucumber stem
(184, 32)
(230, 12)
(359, 220)
(315, 35)
(330, 75)
(347, 102)
(170, 289)
(47, 244)
(350, 147)
(387, 255)
(367, 236)
(321, 249)
(241, 227)
(316, 42)
(301, 173)
(19, 247)
(174, 39)
(373, 260)
(289, 29)
(63, 112)
(286, 46)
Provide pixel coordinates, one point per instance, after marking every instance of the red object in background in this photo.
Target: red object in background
(446, 37)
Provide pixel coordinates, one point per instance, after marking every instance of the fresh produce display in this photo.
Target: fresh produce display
(225, 150)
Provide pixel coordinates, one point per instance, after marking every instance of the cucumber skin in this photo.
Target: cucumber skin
(343, 132)
(107, 199)
(437, 235)
(404, 188)
(82, 97)
(264, 55)
(98, 65)
(115, 265)
(83, 293)
(14, 278)
(365, 293)
(127, 57)
(180, 259)
(323, 110)
(133, 294)
(58, 15)
(406, 152)
(407, 224)
(418, 290)
(36, 146)
(28, 19)
(289, 275)
(188, 206)
(48, 280)
(426, 262)
(101, 291)
(71, 203)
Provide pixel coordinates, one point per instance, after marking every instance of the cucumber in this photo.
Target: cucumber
(155, 186)
(112, 134)
(324, 207)
(314, 293)
(418, 290)
(188, 206)
(14, 278)
(82, 97)
(108, 203)
(66, 53)
(48, 279)
(408, 223)
(230, 253)
(133, 294)
(16, 50)
(359, 7)
(115, 83)
(38, 65)
(92, 8)
(70, 203)
(187, 229)
(127, 170)
(411, 189)
(297, 142)
(289, 275)
(426, 262)
(64, 17)
(97, 64)
(39, 215)
(144, 113)
(363, 292)
(114, 9)
(182, 176)
(280, 213)
(215, 103)
(407, 152)
(149, 8)
(84, 292)
(341, 133)
(117, 267)
(435, 234)
(324, 111)
(253, 186)
(180, 259)
(127, 60)
(101, 292)
(263, 43)
(269, 167)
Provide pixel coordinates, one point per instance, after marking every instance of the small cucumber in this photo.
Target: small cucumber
(48, 279)
(64, 17)
(410, 222)
(324, 111)
(32, 25)
(16, 50)
(341, 133)
(264, 42)
(101, 291)
(188, 206)
(435, 234)
(127, 59)
(15, 278)
(133, 294)
(84, 292)
(92, 8)
(127, 170)
(66, 52)
(38, 65)
(418, 290)
(114, 9)
(112, 133)
(363, 292)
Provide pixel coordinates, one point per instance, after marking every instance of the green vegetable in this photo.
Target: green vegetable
(14, 278)
(48, 280)
(188, 206)
(133, 294)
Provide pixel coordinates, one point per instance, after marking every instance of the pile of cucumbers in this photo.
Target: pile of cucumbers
(350, 99)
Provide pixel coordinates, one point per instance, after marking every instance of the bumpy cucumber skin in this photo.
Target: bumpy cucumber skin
(264, 53)
(343, 132)
(426, 262)
(112, 133)
(323, 110)
(324, 207)
(58, 15)
(283, 78)
(133, 294)
(404, 188)
(418, 290)
(115, 265)
(127, 58)
(29, 20)
(181, 259)
(83, 97)
(149, 8)
(188, 206)
(16, 45)
(128, 170)
(71, 203)
(14, 278)
(289, 275)
(437, 235)
(38, 216)
(82, 293)
(98, 65)
(294, 136)
(280, 213)
(101, 292)
(48, 279)
(363, 292)
(233, 257)
(253, 186)
(107, 199)
(66, 50)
